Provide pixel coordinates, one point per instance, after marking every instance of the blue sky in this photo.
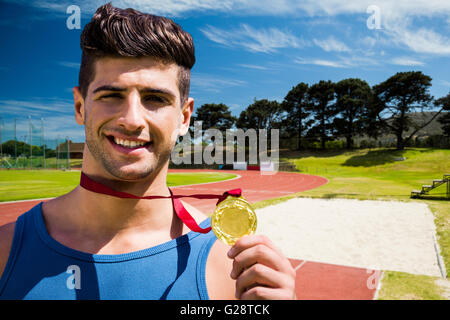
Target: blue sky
(244, 49)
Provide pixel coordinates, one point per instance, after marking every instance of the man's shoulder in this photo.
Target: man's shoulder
(6, 238)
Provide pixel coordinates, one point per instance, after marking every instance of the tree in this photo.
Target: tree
(444, 103)
(371, 125)
(352, 98)
(213, 116)
(295, 105)
(216, 116)
(14, 147)
(261, 114)
(400, 95)
(321, 95)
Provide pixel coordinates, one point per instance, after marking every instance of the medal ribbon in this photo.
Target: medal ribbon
(94, 186)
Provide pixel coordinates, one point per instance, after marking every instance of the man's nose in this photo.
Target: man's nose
(132, 117)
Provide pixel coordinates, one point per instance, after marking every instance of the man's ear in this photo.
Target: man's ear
(79, 106)
(186, 113)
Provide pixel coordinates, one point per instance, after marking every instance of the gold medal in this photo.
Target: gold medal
(232, 219)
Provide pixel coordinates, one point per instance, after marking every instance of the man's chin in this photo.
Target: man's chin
(129, 173)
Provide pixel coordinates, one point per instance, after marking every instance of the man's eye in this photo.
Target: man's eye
(112, 95)
(155, 99)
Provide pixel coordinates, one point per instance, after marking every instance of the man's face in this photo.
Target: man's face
(132, 116)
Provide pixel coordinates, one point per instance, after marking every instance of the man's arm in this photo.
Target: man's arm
(218, 268)
(6, 238)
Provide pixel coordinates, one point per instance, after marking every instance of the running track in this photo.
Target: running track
(315, 281)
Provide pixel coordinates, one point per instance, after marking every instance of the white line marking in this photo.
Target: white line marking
(300, 265)
(29, 200)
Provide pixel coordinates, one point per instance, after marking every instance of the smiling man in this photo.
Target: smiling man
(133, 100)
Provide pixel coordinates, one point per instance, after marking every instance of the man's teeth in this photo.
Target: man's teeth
(129, 143)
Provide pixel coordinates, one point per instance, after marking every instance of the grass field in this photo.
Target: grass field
(373, 174)
(379, 174)
(37, 184)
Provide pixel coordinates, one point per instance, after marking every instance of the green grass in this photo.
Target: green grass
(405, 286)
(36, 184)
(373, 174)
(177, 179)
(377, 174)
(38, 163)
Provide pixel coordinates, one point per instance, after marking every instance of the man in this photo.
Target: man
(133, 100)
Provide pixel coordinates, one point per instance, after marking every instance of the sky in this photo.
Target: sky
(245, 50)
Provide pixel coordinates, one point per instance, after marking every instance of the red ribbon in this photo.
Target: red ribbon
(180, 210)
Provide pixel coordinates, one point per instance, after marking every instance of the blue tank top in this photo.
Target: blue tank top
(41, 268)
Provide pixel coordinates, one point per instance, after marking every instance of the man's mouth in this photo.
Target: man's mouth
(130, 144)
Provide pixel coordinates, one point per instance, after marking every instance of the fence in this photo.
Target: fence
(24, 145)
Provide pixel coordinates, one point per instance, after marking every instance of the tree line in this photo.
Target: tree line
(15, 148)
(329, 110)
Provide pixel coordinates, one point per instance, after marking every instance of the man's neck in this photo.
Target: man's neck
(94, 222)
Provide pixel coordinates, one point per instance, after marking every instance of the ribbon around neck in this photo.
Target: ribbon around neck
(97, 187)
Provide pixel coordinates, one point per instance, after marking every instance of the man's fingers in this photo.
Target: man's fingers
(246, 242)
(257, 275)
(257, 254)
(264, 293)
(261, 270)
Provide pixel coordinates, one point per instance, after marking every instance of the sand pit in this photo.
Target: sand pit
(381, 235)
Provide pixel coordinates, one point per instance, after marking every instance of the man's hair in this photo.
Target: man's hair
(114, 32)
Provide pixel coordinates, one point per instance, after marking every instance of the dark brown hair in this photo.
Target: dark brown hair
(115, 32)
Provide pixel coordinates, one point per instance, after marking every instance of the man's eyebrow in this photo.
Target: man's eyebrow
(109, 88)
(144, 90)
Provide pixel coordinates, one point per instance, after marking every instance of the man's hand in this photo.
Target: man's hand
(261, 271)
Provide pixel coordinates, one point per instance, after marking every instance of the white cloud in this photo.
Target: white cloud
(172, 8)
(322, 62)
(405, 61)
(251, 39)
(36, 108)
(422, 40)
(55, 127)
(252, 66)
(331, 44)
(212, 83)
(57, 114)
(351, 61)
(260, 7)
(73, 65)
(398, 18)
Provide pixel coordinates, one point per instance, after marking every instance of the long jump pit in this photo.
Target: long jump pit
(341, 246)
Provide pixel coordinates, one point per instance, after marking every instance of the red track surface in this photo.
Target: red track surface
(254, 185)
(315, 281)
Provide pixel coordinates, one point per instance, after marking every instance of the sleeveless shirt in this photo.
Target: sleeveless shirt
(39, 267)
